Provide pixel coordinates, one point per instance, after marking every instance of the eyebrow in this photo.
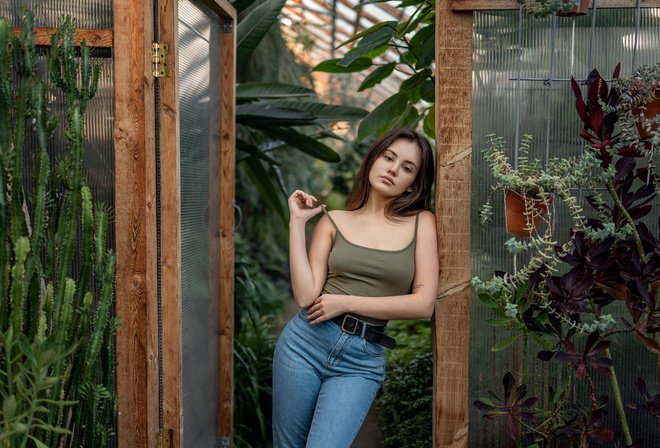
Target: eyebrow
(405, 161)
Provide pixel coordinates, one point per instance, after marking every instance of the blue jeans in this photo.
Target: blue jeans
(324, 381)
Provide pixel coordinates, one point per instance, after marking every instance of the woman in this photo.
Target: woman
(377, 260)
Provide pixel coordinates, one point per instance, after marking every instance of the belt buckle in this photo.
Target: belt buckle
(355, 327)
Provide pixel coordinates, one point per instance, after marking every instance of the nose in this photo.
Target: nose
(392, 170)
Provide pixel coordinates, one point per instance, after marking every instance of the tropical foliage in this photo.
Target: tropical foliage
(56, 356)
(274, 116)
(413, 42)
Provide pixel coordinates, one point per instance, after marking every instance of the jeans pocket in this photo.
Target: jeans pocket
(373, 349)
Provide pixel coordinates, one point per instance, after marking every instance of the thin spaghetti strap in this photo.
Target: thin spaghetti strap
(416, 222)
(328, 215)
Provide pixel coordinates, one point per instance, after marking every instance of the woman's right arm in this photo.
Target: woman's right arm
(308, 272)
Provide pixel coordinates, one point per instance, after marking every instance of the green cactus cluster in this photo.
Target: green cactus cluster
(57, 360)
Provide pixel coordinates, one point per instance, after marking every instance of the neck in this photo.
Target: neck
(376, 204)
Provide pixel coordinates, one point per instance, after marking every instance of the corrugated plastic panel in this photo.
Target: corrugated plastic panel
(495, 69)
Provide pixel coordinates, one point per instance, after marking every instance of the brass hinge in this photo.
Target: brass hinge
(163, 438)
(160, 60)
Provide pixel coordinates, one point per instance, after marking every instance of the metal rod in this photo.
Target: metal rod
(550, 81)
(570, 72)
(639, 13)
(547, 80)
(161, 410)
(520, 22)
(593, 34)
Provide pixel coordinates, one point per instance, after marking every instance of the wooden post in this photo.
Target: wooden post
(170, 225)
(228, 137)
(453, 128)
(135, 225)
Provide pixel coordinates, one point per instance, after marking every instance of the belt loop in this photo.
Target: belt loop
(364, 329)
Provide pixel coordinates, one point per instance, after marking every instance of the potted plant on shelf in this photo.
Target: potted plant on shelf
(529, 188)
(640, 99)
(543, 8)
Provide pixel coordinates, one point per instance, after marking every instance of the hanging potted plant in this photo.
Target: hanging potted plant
(640, 99)
(544, 8)
(530, 188)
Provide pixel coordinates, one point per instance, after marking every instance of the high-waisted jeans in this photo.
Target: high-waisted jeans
(324, 381)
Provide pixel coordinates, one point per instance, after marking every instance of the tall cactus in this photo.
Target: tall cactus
(57, 361)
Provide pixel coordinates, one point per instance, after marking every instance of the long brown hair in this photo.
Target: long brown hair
(409, 203)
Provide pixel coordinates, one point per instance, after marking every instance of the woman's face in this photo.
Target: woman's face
(395, 170)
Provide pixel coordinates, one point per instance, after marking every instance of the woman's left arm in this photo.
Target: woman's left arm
(419, 304)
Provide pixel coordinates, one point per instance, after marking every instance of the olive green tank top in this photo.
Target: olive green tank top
(362, 271)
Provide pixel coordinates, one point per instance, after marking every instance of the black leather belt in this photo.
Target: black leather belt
(371, 333)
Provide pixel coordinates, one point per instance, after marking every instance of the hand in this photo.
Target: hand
(298, 202)
(325, 308)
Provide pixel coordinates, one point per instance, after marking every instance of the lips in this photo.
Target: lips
(388, 179)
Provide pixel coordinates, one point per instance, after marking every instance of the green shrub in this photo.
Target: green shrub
(405, 403)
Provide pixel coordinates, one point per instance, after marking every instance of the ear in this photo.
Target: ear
(410, 189)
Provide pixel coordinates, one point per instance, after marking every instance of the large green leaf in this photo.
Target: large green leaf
(254, 27)
(265, 186)
(268, 115)
(265, 90)
(387, 111)
(429, 123)
(356, 53)
(254, 151)
(330, 66)
(382, 35)
(377, 76)
(368, 31)
(242, 5)
(303, 143)
(324, 113)
(421, 37)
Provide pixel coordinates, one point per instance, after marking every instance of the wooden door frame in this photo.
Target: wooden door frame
(453, 127)
(135, 189)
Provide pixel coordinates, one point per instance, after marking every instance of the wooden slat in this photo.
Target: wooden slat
(170, 225)
(493, 5)
(227, 165)
(93, 38)
(451, 321)
(135, 223)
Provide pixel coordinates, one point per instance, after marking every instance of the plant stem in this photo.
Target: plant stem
(619, 403)
(615, 383)
(524, 357)
(626, 215)
(656, 336)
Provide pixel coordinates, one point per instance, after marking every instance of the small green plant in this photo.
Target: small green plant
(639, 96)
(532, 180)
(544, 8)
(56, 355)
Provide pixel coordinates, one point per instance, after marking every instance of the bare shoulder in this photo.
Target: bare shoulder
(427, 219)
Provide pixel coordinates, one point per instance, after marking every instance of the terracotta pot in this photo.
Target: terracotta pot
(652, 109)
(579, 10)
(518, 222)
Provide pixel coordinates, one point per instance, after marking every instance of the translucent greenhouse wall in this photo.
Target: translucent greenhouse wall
(547, 111)
(199, 34)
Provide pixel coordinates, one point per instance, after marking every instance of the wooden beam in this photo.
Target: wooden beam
(93, 38)
(135, 224)
(494, 5)
(170, 225)
(451, 320)
(227, 167)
